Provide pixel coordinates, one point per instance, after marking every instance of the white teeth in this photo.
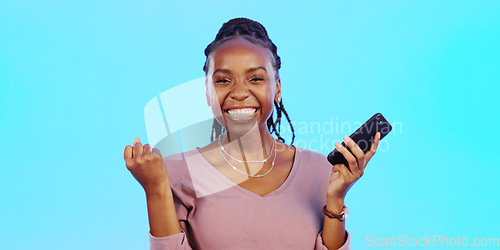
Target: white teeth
(242, 113)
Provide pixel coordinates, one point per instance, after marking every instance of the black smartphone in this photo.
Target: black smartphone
(364, 137)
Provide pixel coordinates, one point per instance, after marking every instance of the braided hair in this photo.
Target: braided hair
(255, 33)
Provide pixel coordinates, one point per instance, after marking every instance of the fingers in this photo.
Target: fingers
(130, 152)
(351, 160)
(147, 149)
(127, 153)
(344, 171)
(335, 173)
(156, 153)
(369, 154)
(147, 152)
(138, 149)
(356, 150)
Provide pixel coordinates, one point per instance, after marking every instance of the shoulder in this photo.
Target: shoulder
(312, 160)
(314, 171)
(179, 175)
(177, 164)
(178, 158)
(312, 156)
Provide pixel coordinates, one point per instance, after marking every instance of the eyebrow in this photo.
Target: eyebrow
(248, 71)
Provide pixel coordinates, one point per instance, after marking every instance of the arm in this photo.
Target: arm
(148, 168)
(161, 213)
(334, 229)
(165, 230)
(341, 180)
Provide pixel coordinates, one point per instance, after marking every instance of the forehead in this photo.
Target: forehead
(239, 52)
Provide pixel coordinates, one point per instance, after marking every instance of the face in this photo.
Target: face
(241, 86)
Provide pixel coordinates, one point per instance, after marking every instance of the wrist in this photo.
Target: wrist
(160, 191)
(335, 205)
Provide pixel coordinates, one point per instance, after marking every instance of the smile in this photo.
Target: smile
(241, 113)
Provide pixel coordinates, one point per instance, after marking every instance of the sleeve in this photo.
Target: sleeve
(320, 246)
(176, 241)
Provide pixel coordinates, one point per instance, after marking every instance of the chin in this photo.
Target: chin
(240, 128)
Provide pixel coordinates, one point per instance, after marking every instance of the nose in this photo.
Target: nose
(239, 91)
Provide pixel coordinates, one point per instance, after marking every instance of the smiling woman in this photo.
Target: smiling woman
(246, 189)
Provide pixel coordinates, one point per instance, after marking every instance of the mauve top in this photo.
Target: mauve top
(216, 214)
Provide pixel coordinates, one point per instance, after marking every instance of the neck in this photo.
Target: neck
(256, 144)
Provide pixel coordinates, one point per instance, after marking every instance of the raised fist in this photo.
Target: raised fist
(147, 166)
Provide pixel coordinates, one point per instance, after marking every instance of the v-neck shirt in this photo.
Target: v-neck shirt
(214, 212)
(234, 185)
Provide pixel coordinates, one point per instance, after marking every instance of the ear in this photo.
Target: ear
(277, 96)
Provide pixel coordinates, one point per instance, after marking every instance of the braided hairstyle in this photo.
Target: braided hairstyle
(255, 33)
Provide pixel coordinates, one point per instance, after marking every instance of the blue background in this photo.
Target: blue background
(75, 77)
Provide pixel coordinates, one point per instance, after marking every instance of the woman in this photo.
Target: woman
(246, 190)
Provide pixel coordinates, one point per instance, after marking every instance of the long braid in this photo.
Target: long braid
(256, 33)
(217, 130)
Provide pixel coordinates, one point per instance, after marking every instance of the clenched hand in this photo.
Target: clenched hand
(147, 166)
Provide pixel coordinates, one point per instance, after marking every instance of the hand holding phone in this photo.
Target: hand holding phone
(364, 137)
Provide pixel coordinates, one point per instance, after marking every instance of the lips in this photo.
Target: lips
(239, 113)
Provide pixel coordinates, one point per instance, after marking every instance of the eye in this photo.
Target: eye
(223, 80)
(256, 79)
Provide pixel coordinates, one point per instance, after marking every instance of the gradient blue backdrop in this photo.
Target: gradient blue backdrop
(75, 77)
